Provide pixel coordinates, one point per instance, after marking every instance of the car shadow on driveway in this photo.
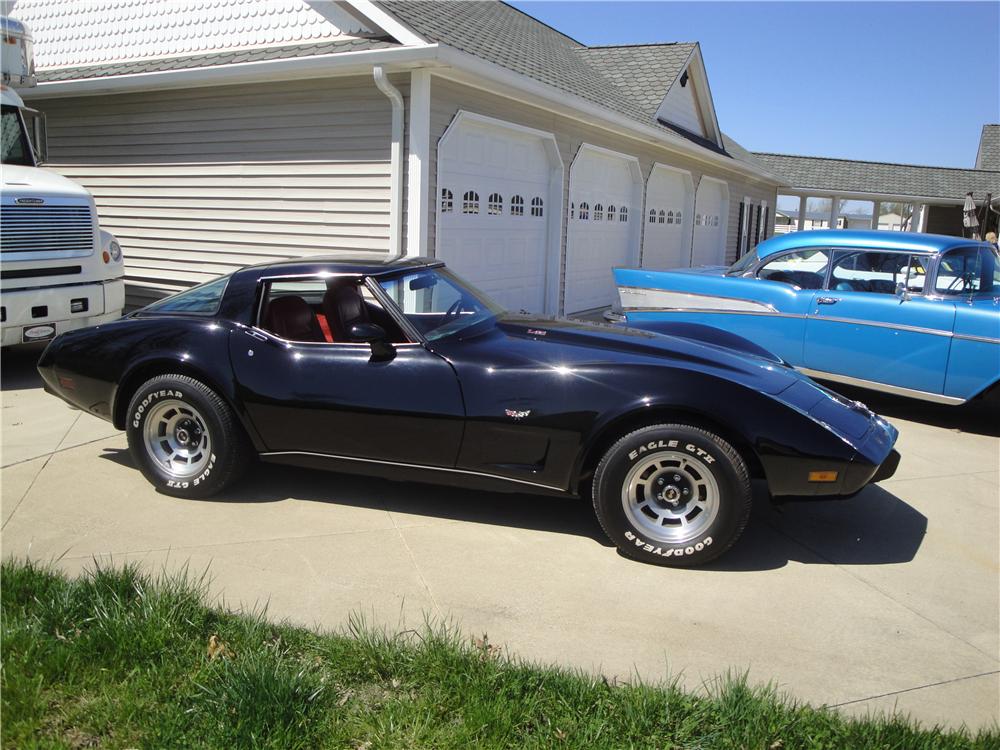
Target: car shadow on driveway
(19, 367)
(873, 528)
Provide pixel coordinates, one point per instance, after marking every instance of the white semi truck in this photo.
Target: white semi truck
(58, 269)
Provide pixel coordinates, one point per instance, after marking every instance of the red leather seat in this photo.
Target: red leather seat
(291, 318)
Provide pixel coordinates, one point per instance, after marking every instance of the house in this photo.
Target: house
(933, 196)
(787, 220)
(217, 133)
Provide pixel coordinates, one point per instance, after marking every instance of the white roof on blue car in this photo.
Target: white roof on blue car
(882, 240)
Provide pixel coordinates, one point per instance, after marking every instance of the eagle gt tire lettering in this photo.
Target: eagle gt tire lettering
(672, 494)
(184, 438)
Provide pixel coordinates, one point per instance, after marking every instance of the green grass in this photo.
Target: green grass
(119, 659)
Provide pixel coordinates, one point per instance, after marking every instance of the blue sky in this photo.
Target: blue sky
(909, 82)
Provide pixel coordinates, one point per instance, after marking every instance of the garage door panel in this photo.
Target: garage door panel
(667, 229)
(710, 222)
(502, 248)
(595, 243)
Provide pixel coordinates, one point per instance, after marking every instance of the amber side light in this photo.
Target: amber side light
(106, 257)
(822, 476)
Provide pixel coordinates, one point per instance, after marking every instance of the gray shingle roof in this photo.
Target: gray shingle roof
(642, 72)
(630, 80)
(212, 59)
(849, 176)
(988, 156)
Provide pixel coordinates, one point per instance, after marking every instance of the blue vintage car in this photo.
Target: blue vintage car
(912, 314)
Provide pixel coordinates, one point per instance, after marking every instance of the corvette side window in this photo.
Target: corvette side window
(203, 299)
(805, 269)
(322, 310)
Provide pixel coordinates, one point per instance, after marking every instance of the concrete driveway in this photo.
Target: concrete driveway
(886, 601)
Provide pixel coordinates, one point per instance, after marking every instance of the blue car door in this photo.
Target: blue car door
(860, 328)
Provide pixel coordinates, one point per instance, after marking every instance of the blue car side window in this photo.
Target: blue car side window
(968, 270)
(805, 269)
(876, 272)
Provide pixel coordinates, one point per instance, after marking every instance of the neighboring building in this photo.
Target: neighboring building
(935, 195)
(787, 220)
(216, 133)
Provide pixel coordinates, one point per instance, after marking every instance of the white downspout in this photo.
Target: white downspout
(395, 161)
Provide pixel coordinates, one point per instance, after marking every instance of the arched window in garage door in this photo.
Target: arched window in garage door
(510, 246)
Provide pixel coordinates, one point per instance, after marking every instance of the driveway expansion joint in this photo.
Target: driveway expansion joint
(912, 689)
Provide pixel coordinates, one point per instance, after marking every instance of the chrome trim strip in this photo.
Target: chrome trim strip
(828, 318)
(970, 337)
(643, 291)
(413, 466)
(884, 387)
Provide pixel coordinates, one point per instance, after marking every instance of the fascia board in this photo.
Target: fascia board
(316, 66)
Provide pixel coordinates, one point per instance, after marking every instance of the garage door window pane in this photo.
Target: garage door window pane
(584, 211)
(611, 213)
(662, 218)
(495, 205)
(470, 203)
(677, 218)
(598, 212)
(536, 207)
(652, 216)
(447, 201)
(516, 205)
(670, 217)
(623, 215)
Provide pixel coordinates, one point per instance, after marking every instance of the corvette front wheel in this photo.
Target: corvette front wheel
(672, 494)
(184, 438)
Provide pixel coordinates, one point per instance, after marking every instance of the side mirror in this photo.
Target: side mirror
(375, 336)
(902, 292)
(369, 333)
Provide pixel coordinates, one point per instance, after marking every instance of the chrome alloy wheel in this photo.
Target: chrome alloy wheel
(177, 438)
(671, 497)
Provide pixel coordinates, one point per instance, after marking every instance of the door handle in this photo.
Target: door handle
(827, 300)
(254, 334)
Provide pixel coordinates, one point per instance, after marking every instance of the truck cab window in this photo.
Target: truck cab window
(14, 139)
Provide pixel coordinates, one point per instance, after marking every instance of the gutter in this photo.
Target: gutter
(449, 62)
(395, 161)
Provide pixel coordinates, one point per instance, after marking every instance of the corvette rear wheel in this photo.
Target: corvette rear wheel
(184, 438)
(672, 494)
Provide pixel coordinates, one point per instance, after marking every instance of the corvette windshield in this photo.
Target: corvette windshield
(437, 303)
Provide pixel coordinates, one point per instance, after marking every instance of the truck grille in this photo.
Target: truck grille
(44, 229)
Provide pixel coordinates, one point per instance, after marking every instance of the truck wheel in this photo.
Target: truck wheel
(672, 494)
(184, 437)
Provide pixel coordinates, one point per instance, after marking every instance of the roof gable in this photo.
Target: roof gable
(105, 32)
(988, 156)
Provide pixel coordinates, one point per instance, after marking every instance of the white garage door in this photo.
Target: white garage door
(604, 189)
(666, 241)
(711, 217)
(495, 208)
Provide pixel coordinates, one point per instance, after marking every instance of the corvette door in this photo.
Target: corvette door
(312, 395)
(860, 328)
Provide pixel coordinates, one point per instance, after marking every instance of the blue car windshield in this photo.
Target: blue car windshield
(437, 303)
(743, 264)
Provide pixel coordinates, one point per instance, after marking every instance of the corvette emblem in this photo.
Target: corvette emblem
(514, 414)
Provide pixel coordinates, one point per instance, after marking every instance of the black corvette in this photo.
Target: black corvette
(400, 369)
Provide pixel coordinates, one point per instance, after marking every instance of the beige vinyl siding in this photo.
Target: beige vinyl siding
(448, 97)
(199, 182)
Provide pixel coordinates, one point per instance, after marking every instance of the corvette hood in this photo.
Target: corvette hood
(576, 342)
